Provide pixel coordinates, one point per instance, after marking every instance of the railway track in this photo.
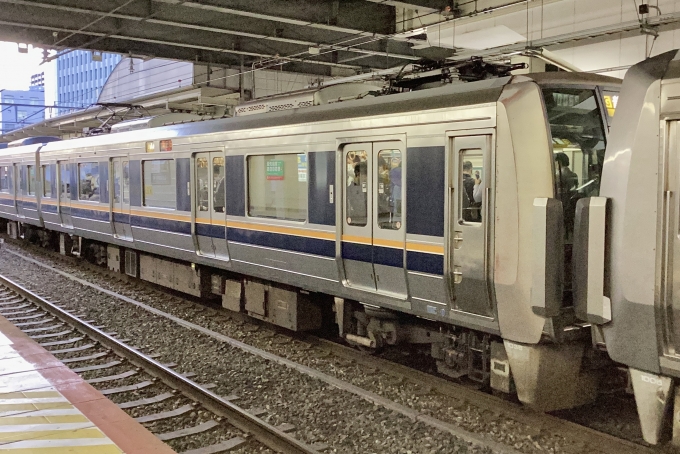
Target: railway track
(576, 438)
(85, 348)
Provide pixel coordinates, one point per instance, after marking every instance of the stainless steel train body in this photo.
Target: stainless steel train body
(367, 203)
(628, 288)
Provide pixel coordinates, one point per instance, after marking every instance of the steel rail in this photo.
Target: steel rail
(264, 432)
(591, 438)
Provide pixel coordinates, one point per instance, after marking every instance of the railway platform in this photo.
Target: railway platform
(45, 408)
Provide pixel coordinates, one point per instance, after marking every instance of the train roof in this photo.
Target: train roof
(451, 95)
(570, 78)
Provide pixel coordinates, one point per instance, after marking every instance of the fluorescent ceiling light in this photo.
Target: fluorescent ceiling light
(442, 35)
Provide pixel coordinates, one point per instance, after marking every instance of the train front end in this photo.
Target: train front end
(628, 241)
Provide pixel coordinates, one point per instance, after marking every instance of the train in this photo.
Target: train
(502, 226)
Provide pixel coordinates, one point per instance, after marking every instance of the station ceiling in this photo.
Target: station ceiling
(311, 36)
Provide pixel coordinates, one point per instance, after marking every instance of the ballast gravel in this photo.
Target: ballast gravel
(320, 413)
(272, 387)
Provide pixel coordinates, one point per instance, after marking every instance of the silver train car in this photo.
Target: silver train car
(443, 218)
(628, 243)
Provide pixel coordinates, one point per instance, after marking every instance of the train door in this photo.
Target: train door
(468, 261)
(209, 205)
(373, 233)
(64, 179)
(671, 247)
(120, 206)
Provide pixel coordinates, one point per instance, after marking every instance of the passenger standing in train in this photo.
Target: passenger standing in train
(567, 178)
(567, 182)
(219, 195)
(395, 189)
(470, 207)
(477, 191)
(356, 196)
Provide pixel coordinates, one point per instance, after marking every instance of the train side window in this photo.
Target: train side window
(4, 179)
(471, 184)
(88, 177)
(31, 180)
(159, 181)
(47, 180)
(126, 182)
(277, 186)
(116, 181)
(202, 184)
(218, 184)
(356, 195)
(65, 180)
(389, 189)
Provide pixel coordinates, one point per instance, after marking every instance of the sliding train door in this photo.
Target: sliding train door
(64, 184)
(670, 277)
(209, 205)
(373, 231)
(120, 206)
(469, 259)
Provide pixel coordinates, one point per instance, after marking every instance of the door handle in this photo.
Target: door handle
(457, 239)
(457, 274)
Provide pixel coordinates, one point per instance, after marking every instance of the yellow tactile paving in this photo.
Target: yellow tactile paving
(63, 433)
(109, 449)
(35, 418)
(35, 406)
(56, 419)
(30, 395)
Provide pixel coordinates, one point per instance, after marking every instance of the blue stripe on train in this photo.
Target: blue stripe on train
(9, 202)
(48, 208)
(375, 254)
(314, 246)
(122, 218)
(166, 225)
(358, 252)
(424, 262)
(25, 204)
(90, 214)
(388, 256)
(213, 231)
(416, 261)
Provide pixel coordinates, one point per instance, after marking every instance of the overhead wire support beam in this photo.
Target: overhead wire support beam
(190, 46)
(189, 26)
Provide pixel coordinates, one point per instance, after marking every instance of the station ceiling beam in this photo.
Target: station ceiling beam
(313, 35)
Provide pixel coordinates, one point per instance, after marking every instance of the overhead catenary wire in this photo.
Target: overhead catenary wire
(345, 43)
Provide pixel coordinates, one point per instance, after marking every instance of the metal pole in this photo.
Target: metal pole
(241, 80)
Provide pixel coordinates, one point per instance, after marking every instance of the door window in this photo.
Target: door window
(202, 184)
(31, 180)
(471, 185)
(389, 189)
(126, 182)
(4, 178)
(65, 180)
(116, 181)
(357, 188)
(47, 180)
(218, 184)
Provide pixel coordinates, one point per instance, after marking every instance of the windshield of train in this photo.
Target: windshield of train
(578, 138)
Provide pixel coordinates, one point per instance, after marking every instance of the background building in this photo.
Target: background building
(81, 76)
(20, 108)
